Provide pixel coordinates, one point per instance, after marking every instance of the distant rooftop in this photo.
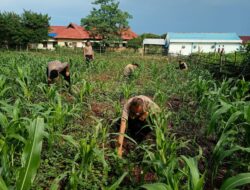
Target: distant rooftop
(153, 41)
(245, 39)
(203, 36)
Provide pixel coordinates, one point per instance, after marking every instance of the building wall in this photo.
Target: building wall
(188, 48)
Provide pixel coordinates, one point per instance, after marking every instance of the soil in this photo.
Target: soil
(102, 77)
(99, 108)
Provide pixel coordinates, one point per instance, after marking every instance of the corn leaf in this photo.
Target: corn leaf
(247, 113)
(225, 107)
(156, 186)
(196, 181)
(56, 183)
(117, 183)
(233, 118)
(31, 155)
(236, 181)
(2, 184)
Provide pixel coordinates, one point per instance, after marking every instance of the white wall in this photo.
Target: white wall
(188, 48)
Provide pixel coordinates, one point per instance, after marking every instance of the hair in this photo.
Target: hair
(53, 74)
(136, 64)
(136, 102)
(88, 42)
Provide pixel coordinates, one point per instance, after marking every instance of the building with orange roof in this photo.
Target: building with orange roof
(74, 35)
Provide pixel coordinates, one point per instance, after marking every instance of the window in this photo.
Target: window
(183, 47)
(213, 46)
(194, 47)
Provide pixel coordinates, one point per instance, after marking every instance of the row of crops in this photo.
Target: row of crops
(60, 138)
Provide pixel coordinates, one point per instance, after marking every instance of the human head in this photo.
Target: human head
(53, 74)
(88, 43)
(136, 107)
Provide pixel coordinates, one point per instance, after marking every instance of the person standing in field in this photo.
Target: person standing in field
(183, 65)
(129, 69)
(55, 68)
(136, 113)
(88, 53)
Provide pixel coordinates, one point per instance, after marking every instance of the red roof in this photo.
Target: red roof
(74, 31)
(245, 39)
(128, 34)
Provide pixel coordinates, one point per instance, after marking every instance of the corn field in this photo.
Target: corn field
(63, 138)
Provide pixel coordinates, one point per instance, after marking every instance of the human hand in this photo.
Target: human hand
(67, 73)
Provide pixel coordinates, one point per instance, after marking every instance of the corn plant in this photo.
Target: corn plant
(236, 181)
(195, 179)
(127, 90)
(3, 86)
(31, 155)
(165, 158)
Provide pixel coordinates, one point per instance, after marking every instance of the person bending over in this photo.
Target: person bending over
(183, 65)
(55, 68)
(129, 69)
(136, 113)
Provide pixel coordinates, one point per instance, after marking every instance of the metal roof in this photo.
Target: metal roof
(153, 41)
(203, 36)
(52, 35)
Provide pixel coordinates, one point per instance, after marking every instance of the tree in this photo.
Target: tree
(35, 27)
(10, 29)
(136, 43)
(107, 22)
(17, 30)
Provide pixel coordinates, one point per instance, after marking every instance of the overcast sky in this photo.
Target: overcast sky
(155, 16)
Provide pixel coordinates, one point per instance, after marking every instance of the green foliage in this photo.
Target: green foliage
(31, 155)
(195, 181)
(136, 43)
(35, 27)
(10, 29)
(156, 186)
(79, 134)
(20, 30)
(236, 181)
(107, 21)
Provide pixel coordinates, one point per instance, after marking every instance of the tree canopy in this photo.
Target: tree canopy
(107, 21)
(23, 29)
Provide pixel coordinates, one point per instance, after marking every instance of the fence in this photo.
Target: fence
(231, 65)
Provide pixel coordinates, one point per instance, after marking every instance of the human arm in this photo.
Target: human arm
(67, 70)
(93, 54)
(121, 137)
(49, 81)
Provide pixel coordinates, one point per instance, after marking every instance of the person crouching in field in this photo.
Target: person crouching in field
(129, 69)
(183, 65)
(55, 68)
(88, 53)
(136, 113)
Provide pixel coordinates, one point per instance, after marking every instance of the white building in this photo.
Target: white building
(187, 43)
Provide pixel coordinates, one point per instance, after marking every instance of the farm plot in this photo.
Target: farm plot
(60, 138)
